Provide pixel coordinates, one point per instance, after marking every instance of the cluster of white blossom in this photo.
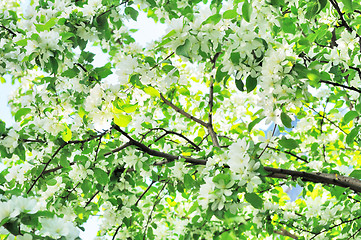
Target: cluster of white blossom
(12, 208)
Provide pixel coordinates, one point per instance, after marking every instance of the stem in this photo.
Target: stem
(146, 190)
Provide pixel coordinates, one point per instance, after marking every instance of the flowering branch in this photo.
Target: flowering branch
(336, 225)
(58, 150)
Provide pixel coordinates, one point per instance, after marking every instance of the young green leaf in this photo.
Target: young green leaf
(286, 120)
(251, 83)
(254, 200)
(184, 50)
(288, 143)
(246, 11)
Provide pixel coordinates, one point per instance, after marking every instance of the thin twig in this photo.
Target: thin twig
(273, 132)
(156, 65)
(290, 153)
(152, 152)
(91, 199)
(146, 190)
(181, 111)
(171, 132)
(150, 215)
(340, 85)
(9, 30)
(46, 165)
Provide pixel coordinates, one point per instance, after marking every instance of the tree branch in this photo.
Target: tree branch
(46, 165)
(340, 85)
(316, 177)
(187, 115)
(9, 30)
(91, 199)
(146, 190)
(155, 153)
(150, 215)
(210, 128)
(343, 22)
(284, 232)
(290, 153)
(175, 133)
(58, 150)
(156, 65)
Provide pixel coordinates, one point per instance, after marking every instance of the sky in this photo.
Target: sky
(148, 31)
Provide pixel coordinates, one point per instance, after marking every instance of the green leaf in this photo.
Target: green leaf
(184, 50)
(313, 75)
(21, 112)
(323, 4)
(239, 85)
(54, 65)
(22, 42)
(288, 25)
(356, 174)
(104, 71)
(222, 177)
(188, 181)
(230, 14)
(214, 19)
(349, 116)
(288, 143)
(251, 83)
(286, 120)
(13, 227)
(122, 120)
(246, 11)
(348, 4)
(51, 182)
(132, 13)
(85, 186)
(351, 136)
(2, 127)
(100, 176)
(253, 123)
(219, 74)
(66, 35)
(235, 57)
(312, 9)
(102, 25)
(254, 200)
(46, 27)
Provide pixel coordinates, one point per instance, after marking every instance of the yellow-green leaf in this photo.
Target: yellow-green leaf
(129, 108)
(151, 91)
(122, 120)
(66, 134)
